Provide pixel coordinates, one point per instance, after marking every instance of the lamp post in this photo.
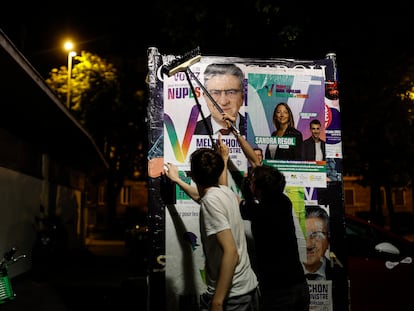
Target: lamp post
(71, 54)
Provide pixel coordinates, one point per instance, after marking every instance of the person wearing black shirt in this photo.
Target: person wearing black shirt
(289, 139)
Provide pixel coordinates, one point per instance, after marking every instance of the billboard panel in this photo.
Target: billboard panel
(178, 109)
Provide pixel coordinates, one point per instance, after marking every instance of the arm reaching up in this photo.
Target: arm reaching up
(223, 150)
(248, 151)
(171, 171)
(244, 144)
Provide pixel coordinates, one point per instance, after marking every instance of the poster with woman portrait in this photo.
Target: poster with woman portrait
(281, 104)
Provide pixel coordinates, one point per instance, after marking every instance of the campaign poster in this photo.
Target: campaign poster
(182, 114)
(302, 90)
(177, 106)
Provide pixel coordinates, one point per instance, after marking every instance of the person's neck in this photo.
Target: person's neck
(202, 190)
(282, 128)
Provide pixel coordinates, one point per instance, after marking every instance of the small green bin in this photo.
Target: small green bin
(6, 291)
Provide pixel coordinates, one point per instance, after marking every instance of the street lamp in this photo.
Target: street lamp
(71, 54)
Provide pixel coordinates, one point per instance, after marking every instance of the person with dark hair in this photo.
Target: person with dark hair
(289, 139)
(271, 214)
(231, 281)
(225, 83)
(314, 147)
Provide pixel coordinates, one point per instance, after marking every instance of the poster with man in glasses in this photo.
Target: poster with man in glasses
(322, 267)
(193, 115)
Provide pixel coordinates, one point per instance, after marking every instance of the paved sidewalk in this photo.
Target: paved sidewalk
(101, 277)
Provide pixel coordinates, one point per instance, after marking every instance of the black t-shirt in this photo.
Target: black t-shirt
(275, 242)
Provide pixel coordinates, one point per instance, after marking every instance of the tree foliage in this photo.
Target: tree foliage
(113, 116)
(378, 143)
(94, 93)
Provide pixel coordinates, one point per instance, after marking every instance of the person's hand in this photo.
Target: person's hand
(229, 121)
(223, 149)
(228, 118)
(171, 171)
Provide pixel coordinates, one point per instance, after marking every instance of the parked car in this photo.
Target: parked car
(380, 267)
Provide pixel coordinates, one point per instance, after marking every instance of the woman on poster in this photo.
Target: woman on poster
(291, 139)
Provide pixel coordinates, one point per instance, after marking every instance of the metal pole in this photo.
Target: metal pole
(70, 55)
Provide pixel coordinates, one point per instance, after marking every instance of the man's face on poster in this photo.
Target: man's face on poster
(316, 242)
(227, 92)
(316, 131)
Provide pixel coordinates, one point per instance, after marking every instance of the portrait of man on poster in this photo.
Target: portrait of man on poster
(314, 148)
(317, 243)
(225, 83)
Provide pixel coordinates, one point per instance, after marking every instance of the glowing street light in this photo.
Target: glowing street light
(71, 54)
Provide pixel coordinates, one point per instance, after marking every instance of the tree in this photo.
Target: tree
(112, 117)
(95, 93)
(383, 137)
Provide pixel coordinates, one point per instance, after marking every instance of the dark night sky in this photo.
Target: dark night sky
(127, 30)
(39, 32)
